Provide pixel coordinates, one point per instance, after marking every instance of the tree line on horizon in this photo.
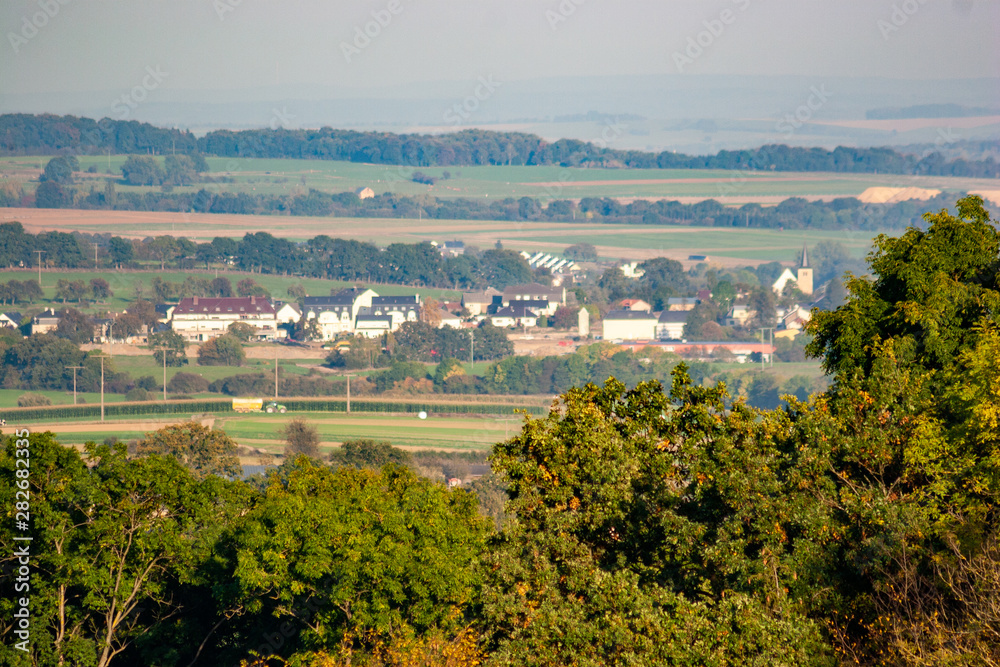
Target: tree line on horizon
(47, 134)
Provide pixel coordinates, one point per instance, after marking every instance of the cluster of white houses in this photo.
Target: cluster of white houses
(358, 311)
(355, 310)
(516, 306)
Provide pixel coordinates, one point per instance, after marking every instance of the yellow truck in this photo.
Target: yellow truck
(257, 405)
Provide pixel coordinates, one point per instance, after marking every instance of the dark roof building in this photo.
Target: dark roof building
(674, 316)
(533, 304)
(10, 319)
(194, 305)
(534, 292)
(629, 315)
(381, 304)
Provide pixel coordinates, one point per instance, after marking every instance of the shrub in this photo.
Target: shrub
(187, 383)
(33, 400)
(138, 394)
(147, 382)
(367, 453)
(399, 371)
(301, 437)
(222, 351)
(245, 384)
(296, 385)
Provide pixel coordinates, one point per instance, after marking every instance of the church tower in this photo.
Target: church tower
(805, 273)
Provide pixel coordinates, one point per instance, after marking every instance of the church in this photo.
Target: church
(802, 279)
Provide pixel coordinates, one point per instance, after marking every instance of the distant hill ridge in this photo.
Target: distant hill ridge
(27, 134)
(930, 111)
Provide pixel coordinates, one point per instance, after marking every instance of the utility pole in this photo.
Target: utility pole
(275, 373)
(163, 350)
(348, 393)
(102, 358)
(770, 354)
(472, 350)
(75, 369)
(39, 253)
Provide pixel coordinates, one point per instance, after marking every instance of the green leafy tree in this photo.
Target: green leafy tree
(353, 556)
(174, 344)
(140, 170)
(120, 250)
(53, 195)
(221, 287)
(492, 342)
(367, 453)
(202, 450)
(763, 304)
(615, 284)
(100, 290)
(225, 350)
(723, 294)
(364, 352)
(301, 437)
(250, 287)
(914, 354)
(60, 170)
(71, 290)
(126, 325)
(113, 541)
(163, 249)
(242, 331)
(179, 170)
(581, 252)
(74, 326)
(930, 297)
(448, 368)
(39, 362)
(565, 317)
(501, 268)
(640, 532)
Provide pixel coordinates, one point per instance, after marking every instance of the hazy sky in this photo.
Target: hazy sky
(105, 45)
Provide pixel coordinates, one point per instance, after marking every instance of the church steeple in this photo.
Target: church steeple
(804, 277)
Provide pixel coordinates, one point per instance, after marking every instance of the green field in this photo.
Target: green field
(8, 397)
(630, 242)
(636, 242)
(750, 244)
(282, 176)
(406, 430)
(262, 431)
(124, 284)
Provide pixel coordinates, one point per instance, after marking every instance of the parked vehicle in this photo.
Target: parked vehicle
(257, 405)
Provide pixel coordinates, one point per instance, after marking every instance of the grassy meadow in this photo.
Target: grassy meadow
(459, 432)
(288, 176)
(127, 285)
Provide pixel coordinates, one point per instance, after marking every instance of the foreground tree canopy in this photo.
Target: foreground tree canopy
(644, 526)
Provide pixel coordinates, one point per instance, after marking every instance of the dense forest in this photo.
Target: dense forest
(642, 526)
(24, 134)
